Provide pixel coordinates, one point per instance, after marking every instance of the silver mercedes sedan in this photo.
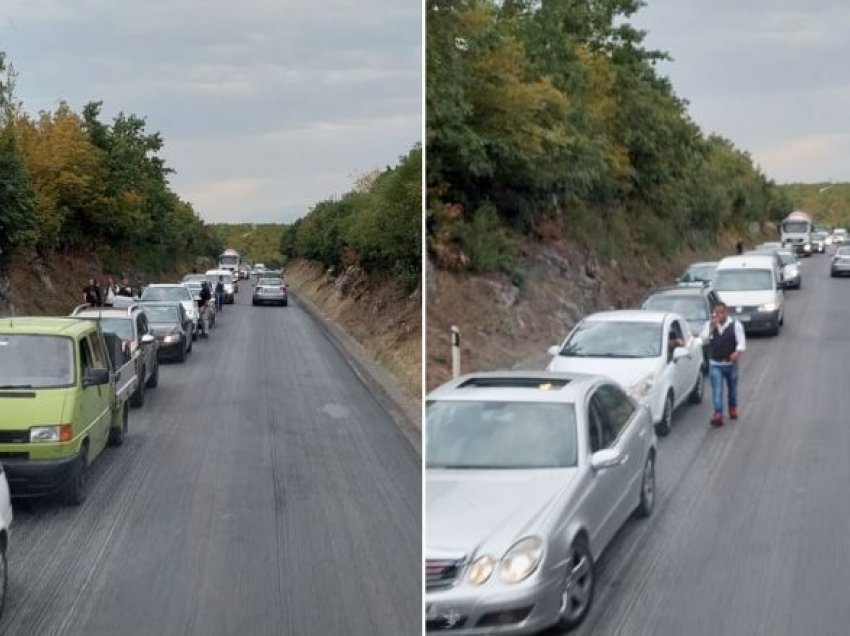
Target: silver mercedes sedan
(529, 475)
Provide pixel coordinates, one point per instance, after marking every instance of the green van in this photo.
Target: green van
(64, 388)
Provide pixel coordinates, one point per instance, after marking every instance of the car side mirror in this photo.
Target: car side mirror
(606, 458)
(554, 351)
(679, 353)
(148, 339)
(95, 377)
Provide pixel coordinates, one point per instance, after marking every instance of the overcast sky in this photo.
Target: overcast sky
(771, 75)
(266, 106)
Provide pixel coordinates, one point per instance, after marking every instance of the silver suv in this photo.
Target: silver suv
(130, 325)
(528, 477)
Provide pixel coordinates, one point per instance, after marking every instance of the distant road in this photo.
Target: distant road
(262, 491)
(751, 532)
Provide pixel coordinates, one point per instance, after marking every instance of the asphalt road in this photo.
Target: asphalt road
(261, 490)
(751, 531)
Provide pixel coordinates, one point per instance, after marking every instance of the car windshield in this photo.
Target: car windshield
(38, 362)
(795, 226)
(162, 314)
(500, 435)
(787, 258)
(842, 251)
(271, 282)
(689, 307)
(819, 236)
(121, 327)
(614, 339)
(730, 280)
(166, 293)
(699, 273)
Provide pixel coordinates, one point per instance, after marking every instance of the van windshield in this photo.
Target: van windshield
(795, 227)
(730, 280)
(37, 362)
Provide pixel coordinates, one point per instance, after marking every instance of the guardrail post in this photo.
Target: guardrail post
(455, 352)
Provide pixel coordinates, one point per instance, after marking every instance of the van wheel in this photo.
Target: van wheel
(153, 381)
(75, 489)
(117, 435)
(138, 397)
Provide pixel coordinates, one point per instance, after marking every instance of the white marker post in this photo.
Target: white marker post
(455, 352)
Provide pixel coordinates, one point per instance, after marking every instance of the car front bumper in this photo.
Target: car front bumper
(525, 610)
(38, 477)
(169, 350)
(755, 321)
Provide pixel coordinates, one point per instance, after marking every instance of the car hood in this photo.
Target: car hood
(747, 298)
(625, 371)
(489, 509)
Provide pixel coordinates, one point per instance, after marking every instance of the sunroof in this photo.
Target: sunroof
(515, 383)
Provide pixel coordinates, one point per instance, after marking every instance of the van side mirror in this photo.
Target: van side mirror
(606, 458)
(679, 353)
(95, 377)
(554, 351)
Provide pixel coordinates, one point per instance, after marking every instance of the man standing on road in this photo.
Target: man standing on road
(219, 293)
(726, 343)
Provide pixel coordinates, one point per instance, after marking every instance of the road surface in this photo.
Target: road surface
(262, 490)
(751, 531)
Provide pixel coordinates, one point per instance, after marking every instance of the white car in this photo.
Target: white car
(5, 523)
(634, 348)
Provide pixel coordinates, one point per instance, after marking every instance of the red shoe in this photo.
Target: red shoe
(717, 419)
(733, 412)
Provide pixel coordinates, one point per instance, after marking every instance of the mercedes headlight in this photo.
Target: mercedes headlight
(521, 560)
(481, 569)
(171, 338)
(642, 387)
(767, 307)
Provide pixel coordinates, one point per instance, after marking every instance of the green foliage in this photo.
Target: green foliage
(17, 200)
(255, 242)
(555, 111)
(376, 226)
(71, 181)
(486, 242)
(828, 203)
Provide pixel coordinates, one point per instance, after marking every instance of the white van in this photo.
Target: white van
(750, 286)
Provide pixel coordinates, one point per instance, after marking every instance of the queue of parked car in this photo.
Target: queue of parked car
(531, 473)
(67, 383)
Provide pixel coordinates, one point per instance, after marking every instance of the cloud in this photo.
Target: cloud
(264, 108)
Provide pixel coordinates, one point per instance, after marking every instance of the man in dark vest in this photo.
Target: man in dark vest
(726, 343)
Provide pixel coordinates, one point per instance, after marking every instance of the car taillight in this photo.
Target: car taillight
(66, 432)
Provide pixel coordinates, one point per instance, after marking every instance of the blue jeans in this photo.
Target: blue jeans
(219, 300)
(717, 373)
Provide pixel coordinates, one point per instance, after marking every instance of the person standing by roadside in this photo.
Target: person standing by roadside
(91, 294)
(726, 342)
(739, 246)
(219, 294)
(109, 293)
(125, 289)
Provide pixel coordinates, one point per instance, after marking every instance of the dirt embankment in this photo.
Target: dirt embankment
(382, 316)
(510, 323)
(32, 285)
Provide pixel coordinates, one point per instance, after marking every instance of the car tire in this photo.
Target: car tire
(182, 357)
(137, 399)
(579, 585)
(664, 426)
(647, 489)
(698, 392)
(118, 435)
(75, 489)
(189, 349)
(153, 381)
(286, 302)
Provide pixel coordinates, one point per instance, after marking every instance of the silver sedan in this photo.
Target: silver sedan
(529, 475)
